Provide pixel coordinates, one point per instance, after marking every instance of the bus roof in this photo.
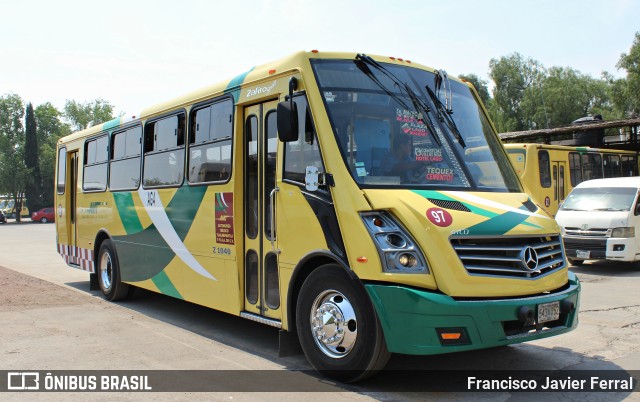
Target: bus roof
(293, 62)
(509, 146)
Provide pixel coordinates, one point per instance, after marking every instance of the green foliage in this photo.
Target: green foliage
(518, 84)
(33, 185)
(13, 171)
(627, 92)
(50, 129)
(85, 115)
(480, 85)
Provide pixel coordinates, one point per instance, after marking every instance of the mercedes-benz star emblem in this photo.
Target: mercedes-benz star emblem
(529, 258)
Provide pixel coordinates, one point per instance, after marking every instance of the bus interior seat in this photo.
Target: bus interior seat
(377, 158)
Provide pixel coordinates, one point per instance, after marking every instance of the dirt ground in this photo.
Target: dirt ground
(23, 292)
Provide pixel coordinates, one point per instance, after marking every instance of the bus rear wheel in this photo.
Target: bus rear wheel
(338, 328)
(112, 287)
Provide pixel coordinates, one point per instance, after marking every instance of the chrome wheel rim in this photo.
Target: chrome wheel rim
(333, 324)
(106, 269)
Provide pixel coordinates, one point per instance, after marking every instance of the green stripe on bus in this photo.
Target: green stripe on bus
(234, 85)
(498, 225)
(111, 124)
(164, 284)
(183, 207)
(127, 211)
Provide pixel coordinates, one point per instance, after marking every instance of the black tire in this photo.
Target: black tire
(108, 271)
(575, 262)
(330, 298)
(44, 220)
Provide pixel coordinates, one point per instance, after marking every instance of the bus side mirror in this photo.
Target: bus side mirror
(287, 121)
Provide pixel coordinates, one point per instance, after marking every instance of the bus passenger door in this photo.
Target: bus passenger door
(71, 206)
(261, 271)
(558, 175)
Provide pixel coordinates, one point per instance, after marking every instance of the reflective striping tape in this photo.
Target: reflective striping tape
(76, 257)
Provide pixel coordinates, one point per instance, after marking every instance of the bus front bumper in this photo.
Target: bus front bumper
(422, 323)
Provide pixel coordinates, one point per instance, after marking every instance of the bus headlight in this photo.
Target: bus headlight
(398, 251)
(624, 232)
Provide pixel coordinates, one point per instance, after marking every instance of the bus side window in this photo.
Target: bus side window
(62, 170)
(164, 152)
(629, 166)
(545, 168)
(210, 145)
(124, 172)
(612, 166)
(575, 169)
(95, 164)
(304, 152)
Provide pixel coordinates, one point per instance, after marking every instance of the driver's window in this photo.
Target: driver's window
(305, 151)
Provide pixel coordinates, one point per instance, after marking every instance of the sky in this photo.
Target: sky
(137, 53)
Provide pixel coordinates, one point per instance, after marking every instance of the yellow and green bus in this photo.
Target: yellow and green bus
(550, 172)
(329, 195)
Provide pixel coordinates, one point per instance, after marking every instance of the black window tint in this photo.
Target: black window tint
(591, 166)
(62, 170)
(251, 177)
(575, 169)
(612, 166)
(164, 152)
(95, 164)
(629, 166)
(545, 164)
(210, 139)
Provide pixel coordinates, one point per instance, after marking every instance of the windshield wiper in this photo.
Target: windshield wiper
(363, 61)
(444, 114)
(609, 209)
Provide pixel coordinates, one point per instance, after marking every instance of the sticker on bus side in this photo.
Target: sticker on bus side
(224, 218)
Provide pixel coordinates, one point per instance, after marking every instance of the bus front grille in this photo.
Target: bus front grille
(515, 257)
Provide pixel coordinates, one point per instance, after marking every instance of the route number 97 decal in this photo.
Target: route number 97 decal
(439, 217)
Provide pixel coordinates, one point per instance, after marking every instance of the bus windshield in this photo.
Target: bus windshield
(396, 129)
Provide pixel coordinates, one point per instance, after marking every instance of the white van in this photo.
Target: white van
(600, 219)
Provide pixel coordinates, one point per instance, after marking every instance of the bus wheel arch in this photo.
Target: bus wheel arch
(303, 269)
(335, 288)
(108, 270)
(338, 327)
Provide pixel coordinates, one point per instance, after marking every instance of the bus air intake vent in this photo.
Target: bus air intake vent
(514, 257)
(530, 205)
(446, 204)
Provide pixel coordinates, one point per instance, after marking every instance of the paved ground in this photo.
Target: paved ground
(49, 320)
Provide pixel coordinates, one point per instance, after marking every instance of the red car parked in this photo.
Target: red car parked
(44, 215)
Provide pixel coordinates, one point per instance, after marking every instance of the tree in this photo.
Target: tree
(13, 171)
(85, 115)
(480, 85)
(628, 92)
(33, 185)
(50, 129)
(515, 78)
(568, 95)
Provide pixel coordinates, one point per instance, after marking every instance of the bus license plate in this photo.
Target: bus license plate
(548, 311)
(583, 254)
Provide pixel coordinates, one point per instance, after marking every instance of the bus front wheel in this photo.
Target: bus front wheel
(109, 273)
(338, 328)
